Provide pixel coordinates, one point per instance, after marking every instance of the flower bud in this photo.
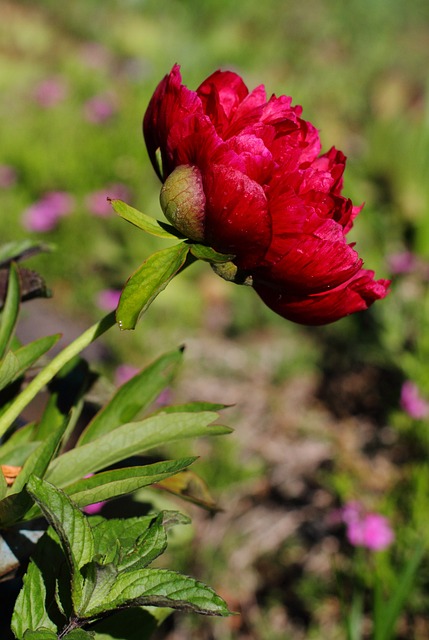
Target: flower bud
(229, 271)
(183, 201)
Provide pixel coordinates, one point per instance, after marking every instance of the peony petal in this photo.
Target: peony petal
(220, 94)
(355, 295)
(171, 102)
(237, 219)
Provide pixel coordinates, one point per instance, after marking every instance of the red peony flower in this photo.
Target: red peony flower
(245, 176)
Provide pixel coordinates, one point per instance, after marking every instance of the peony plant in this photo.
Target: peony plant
(244, 188)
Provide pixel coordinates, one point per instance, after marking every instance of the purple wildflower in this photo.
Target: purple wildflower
(108, 299)
(98, 203)
(412, 402)
(99, 109)
(44, 214)
(50, 92)
(366, 529)
(8, 176)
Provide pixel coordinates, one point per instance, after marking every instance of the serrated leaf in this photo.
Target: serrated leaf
(68, 521)
(147, 282)
(131, 439)
(144, 222)
(10, 311)
(160, 587)
(30, 613)
(111, 484)
(202, 252)
(71, 526)
(134, 396)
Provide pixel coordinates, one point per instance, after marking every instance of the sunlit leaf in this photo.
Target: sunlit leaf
(147, 282)
(144, 222)
(159, 587)
(134, 396)
(118, 482)
(129, 439)
(40, 634)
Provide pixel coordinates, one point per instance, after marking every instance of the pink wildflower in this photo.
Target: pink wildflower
(108, 299)
(50, 92)
(44, 214)
(98, 203)
(365, 529)
(403, 262)
(99, 109)
(124, 373)
(412, 402)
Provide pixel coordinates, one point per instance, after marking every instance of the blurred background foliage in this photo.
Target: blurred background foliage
(75, 79)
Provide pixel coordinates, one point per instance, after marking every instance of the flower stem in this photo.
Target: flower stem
(51, 369)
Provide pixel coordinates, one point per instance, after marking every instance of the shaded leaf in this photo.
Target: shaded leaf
(134, 396)
(79, 634)
(30, 612)
(130, 439)
(111, 484)
(202, 252)
(147, 282)
(133, 624)
(20, 250)
(10, 309)
(144, 222)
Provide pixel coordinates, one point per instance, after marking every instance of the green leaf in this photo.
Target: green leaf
(3, 485)
(147, 282)
(10, 310)
(114, 537)
(17, 455)
(72, 528)
(16, 363)
(202, 252)
(387, 613)
(118, 482)
(40, 634)
(21, 436)
(20, 250)
(130, 439)
(134, 396)
(159, 587)
(79, 634)
(67, 520)
(30, 613)
(142, 221)
(40, 458)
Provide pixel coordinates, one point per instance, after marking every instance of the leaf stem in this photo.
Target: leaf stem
(51, 369)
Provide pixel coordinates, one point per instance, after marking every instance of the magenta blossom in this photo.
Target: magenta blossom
(124, 373)
(44, 214)
(99, 109)
(403, 262)
(366, 529)
(108, 299)
(92, 509)
(412, 402)
(98, 203)
(50, 92)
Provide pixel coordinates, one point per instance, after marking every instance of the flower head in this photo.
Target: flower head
(365, 529)
(44, 214)
(258, 188)
(99, 109)
(412, 401)
(51, 91)
(108, 299)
